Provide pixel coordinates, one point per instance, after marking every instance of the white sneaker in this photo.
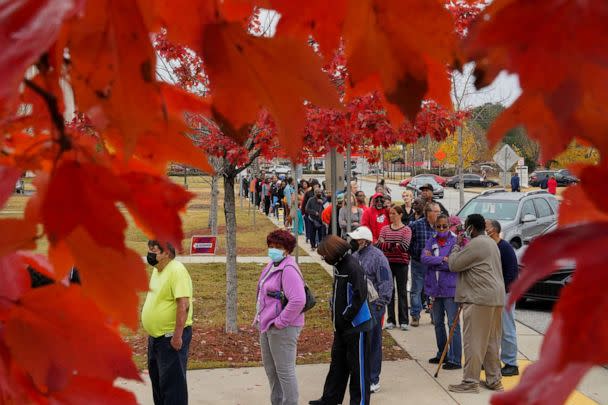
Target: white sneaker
(374, 388)
(389, 326)
(404, 326)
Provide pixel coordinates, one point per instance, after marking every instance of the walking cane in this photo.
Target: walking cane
(445, 349)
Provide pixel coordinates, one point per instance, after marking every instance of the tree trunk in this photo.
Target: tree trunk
(231, 275)
(460, 168)
(213, 204)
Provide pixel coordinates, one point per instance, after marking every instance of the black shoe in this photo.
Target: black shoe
(508, 371)
(316, 402)
(451, 366)
(434, 360)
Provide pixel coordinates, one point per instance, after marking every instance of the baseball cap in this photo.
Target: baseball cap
(427, 186)
(362, 232)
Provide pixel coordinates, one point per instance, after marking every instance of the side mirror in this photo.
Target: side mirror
(529, 218)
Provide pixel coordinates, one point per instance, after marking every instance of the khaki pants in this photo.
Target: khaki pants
(482, 329)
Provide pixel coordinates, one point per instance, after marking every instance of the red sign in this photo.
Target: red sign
(203, 245)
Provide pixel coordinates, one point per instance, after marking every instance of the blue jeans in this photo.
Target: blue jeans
(418, 273)
(441, 307)
(508, 343)
(167, 368)
(375, 352)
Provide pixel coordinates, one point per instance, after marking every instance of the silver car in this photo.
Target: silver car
(522, 216)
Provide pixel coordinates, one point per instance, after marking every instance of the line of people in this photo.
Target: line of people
(469, 267)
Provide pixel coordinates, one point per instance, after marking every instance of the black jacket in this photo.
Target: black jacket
(349, 299)
(407, 218)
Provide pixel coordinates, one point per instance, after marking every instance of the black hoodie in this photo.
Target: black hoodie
(350, 309)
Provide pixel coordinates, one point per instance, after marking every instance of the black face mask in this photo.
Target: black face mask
(354, 245)
(152, 260)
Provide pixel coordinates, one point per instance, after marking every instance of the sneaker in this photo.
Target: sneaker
(404, 326)
(508, 371)
(464, 387)
(316, 402)
(495, 386)
(434, 360)
(451, 366)
(374, 388)
(389, 326)
(415, 321)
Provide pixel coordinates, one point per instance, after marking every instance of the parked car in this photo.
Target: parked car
(522, 216)
(470, 180)
(417, 182)
(550, 287)
(20, 187)
(563, 177)
(278, 170)
(438, 179)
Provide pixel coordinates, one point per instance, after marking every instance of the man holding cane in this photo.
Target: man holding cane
(481, 291)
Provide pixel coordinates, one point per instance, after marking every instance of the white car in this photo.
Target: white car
(279, 170)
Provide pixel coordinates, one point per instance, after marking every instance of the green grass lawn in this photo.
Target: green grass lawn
(211, 347)
(251, 239)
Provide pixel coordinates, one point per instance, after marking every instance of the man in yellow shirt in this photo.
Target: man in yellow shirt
(167, 318)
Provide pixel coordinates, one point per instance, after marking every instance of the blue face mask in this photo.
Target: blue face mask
(276, 255)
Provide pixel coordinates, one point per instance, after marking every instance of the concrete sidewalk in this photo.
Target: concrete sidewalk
(410, 380)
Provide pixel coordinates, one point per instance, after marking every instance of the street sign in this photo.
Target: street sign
(203, 245)
(506, 157)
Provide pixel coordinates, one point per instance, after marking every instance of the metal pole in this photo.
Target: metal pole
(349, 203)
(460, 169)
(294, 210)
(334, 191)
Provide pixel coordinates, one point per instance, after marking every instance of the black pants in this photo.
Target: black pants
(317, 234)
(349, 358)
(266, 205)
(399, 271)
(167, 368)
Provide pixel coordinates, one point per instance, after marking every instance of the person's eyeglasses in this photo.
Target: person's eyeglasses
(442, 226)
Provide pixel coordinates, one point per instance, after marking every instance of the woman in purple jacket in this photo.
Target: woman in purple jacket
(280, 301)
(440, 285)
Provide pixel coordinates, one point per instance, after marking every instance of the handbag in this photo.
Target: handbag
(372, 294)
(311, 301)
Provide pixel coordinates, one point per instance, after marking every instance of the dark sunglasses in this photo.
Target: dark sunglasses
(442, 226)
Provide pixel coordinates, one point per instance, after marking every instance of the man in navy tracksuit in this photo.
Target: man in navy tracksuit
(352, 321)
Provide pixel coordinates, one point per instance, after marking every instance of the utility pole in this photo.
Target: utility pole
(460, 164)
(334, 191)
(294, 211)
(349, 202)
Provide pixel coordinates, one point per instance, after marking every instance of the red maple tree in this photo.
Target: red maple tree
(397, 48)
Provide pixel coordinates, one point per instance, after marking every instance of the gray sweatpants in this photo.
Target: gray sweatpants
(279, 350)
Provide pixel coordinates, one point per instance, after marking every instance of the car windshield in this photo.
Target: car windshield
(490, 209)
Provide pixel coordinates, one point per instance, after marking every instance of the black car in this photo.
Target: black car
(470, 180)
(563, 177)
(418, 182)
(550, 287)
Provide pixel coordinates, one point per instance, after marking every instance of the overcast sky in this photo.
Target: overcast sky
(504, 90)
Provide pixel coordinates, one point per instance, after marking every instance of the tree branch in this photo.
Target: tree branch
(51, 103)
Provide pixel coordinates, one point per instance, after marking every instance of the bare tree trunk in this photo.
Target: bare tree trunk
(231, 274)
(213, 204)
(460, 168)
